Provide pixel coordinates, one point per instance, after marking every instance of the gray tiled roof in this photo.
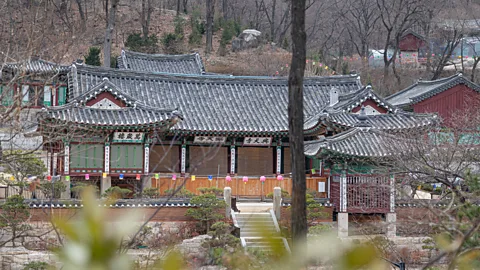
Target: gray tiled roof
(37, 66)
(349, 101)
(358, 141)
(134, 114)
(425, 89)
(178, 64)
(126, 117)
(399, 121)
(216, 103)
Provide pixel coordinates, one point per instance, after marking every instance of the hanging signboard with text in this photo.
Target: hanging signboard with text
(128, 137)
(209, 140)
(257, 141)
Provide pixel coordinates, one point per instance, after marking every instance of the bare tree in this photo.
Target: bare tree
(396, 16)
(210, 17)
(145, 16)
(295, 120)
(107, 44)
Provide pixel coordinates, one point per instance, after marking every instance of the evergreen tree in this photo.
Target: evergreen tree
(93, 57)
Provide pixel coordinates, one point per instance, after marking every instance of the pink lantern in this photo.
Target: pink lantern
(245, 180)
(137, 177)
(279, 177)
(262, 179)
(174, 177)
(228, 178)
(49, 177)
(87, 176)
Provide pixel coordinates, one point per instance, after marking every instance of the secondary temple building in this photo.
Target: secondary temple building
(147, 127)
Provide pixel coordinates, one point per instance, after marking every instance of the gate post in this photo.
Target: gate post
(227, 195)
(105, 183)
(277, 201)
(391, 217)
(343, 215)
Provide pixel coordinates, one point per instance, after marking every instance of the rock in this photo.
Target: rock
(249, 38)
(192, 248)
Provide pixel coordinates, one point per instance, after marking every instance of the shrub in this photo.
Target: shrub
(319, 229)
(150, 193)
(284, 194)
(14, 216)
(182, 193)
(198, 29)
(80, 187)
(207, 211)
(48, 187)
(36, 265)
(116, 192)
(210, 190)
(137, 43)
(230, 30)
(113, 60)
(314, 210)
(93, 57)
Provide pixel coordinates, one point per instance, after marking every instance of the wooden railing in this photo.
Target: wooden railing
(253, 187)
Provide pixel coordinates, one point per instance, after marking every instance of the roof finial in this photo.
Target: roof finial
(362, 118)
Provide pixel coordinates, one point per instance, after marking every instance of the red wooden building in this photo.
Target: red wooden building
(445, 96)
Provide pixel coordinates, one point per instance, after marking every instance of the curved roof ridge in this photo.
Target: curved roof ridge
(220, 78)
(160, 55)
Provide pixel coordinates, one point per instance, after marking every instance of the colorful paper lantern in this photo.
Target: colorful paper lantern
(49, 177)
(210, 178)
(286, 65)
(120, 176)
(87, 176)
(104, 175)
(313, 171)
(262, 179)
(228, 178)
(137, 176)
(67, 178)
(279, 177)
(12, 178)
(245, 179)
(174, 177)
(193, 178)
(157, 176)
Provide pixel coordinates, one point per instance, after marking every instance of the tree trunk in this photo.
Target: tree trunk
(82, 15)
(185, 4)
(210, 16)
(107, 44)
(225, 9)
(145, 17)
(272, 24)
(178, 7)
(295, 121)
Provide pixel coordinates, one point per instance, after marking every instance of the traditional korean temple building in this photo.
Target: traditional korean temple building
(125, 125)
(445, 96)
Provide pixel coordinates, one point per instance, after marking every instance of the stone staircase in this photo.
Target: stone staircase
(259, 230)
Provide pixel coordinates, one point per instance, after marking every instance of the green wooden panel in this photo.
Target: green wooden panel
(62, 95)
(87, 156)
(127, 156)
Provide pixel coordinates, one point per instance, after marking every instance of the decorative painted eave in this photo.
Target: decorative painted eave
(127, 205)
(108, 87)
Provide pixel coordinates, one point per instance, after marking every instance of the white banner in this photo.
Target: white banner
(279, 160)
(25, 91)
(232, 160)
(184, 158)
(257, 141)
(107, 158)
(66, 165)
(209, 140)
(146, 160)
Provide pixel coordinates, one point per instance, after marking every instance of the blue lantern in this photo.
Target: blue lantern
(121, 176)
(210, 178)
